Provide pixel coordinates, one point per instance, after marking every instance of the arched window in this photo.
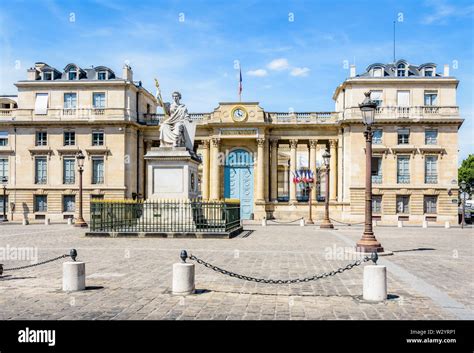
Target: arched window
(401, 70)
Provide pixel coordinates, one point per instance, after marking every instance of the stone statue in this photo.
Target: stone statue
(176, 129)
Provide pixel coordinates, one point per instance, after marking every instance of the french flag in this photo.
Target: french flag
(240, 83)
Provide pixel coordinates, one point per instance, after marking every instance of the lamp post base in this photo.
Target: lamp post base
(80, 223)
(309, 221)
(326, 224)
(369, 245)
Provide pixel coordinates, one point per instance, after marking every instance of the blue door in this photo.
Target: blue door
(238, 180)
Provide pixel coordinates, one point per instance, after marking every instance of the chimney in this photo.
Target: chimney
(352, 70)
(127, 73)
(32, 74)
(446, 70)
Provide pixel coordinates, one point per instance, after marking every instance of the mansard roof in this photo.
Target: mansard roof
(84, 74)
(390, 69)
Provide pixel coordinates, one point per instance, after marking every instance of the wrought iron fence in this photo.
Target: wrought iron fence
(178, 216)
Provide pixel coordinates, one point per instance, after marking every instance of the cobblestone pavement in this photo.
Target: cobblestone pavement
(130, 278)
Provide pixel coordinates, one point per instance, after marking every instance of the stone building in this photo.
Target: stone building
(247, 152)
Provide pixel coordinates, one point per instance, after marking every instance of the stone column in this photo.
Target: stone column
(215, 187)
(312, 165)
(205, 170)
(293, 161)
(260, 169)
(333, 171)
(274, 171)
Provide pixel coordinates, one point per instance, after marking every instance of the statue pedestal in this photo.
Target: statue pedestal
(172, 173)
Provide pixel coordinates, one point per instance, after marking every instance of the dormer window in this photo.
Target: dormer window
(102, 75)
(47, 75)
(72, 74)
(377, 72)
(401, 70)
(429, 72)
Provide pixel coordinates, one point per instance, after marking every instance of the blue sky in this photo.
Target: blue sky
(292, 52)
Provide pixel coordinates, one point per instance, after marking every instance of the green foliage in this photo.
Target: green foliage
(466, 170)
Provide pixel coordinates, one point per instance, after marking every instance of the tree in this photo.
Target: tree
(466, 171)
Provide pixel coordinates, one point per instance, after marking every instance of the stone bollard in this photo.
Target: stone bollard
(264, 221)
(74, 276)
(375, 283)
(425, 224)
(447, 225)
(400, 224)
(302, 222)
(69, 221)
(183, 276)
(25, 221)
(47, 221)
(374, 223)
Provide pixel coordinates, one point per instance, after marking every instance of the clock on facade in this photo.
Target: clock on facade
(239, 113)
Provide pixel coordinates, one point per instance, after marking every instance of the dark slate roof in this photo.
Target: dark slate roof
(84, 74)
(390, 70)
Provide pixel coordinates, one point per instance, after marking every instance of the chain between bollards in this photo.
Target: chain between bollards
(72, 254)
(184, 256)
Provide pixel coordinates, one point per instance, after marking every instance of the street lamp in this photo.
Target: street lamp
(368, 242)
(4, 183)
(80, 164)
(326, 223)
(463, 197)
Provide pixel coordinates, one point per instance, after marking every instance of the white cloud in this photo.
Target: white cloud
(278, 64)
(299, 71)
(257, 73)
(442, 12)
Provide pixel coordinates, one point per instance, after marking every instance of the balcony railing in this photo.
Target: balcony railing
(431, 179)
(403, 179)
(6, 112)
(377, 179)
(156, 119)
(395, 112)
(304, 117)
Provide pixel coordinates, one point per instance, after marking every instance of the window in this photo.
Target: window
(98, 100)
(376, 203)
(431, 137)
(403, 204)
(403, 136)
(97, 138)
(429, 204)
(377, 137)
(97, 197)
(429, 71)
(403, 169)
(97, 170)
(69, 203)
(401, 70)
(70, 100)
(41, 203)
(431, 98)
(377, 72)
(69, 175)
(376, 96)
(376, 170)
(3, 169)
(431, 169)
(40, 170)
(102, 75)
(403, 98)
(41, 104)
(47, 75)
(3, 138)
(1, 205)
(69, 138)
(72, 74)
(41, 138)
